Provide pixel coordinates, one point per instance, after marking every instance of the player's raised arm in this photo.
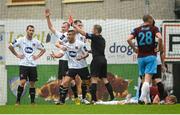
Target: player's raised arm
(50, 26)
(130, 38)
(11, 48)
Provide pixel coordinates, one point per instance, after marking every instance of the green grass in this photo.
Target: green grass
(90, 109)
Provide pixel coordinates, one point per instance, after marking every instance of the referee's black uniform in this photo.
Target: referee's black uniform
(98, 65)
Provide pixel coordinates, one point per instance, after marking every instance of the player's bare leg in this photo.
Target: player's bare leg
(20, 91)
(109, 88)
(145, 90)
(32, 92)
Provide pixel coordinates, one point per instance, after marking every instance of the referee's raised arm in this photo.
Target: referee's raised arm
(82, 32)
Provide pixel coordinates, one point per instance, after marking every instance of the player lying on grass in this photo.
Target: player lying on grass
(62, 38)
(171, 99)
(98, 65)
(147, 63)
(77, 65)
(27, 66)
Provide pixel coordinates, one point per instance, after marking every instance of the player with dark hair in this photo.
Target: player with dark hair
(80, 37)
(145, 36)
(62, 38)
(27, 69)
(98, 65)
(76, 53)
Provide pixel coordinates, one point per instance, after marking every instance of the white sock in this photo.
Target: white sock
(148, 97)
(144, 91)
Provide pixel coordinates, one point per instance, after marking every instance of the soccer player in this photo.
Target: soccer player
(27, 70)
(62, 38)
(156, 79)
(147, 63)
(98, 65)
(80, 37)
(76, 53)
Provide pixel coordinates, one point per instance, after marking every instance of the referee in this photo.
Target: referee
(98, 65)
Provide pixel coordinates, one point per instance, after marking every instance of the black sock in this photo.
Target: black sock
(93, 89)
(161, 90)
(32, 92)
(63, 93)
(140, 90)
(74, 90)
(110, 90)
(19, 93)
(84, 90)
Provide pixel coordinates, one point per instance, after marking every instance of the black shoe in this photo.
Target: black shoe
(148, 103)
(141, 102)
(59, 103)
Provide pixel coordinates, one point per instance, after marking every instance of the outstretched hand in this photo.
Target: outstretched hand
(47, 12)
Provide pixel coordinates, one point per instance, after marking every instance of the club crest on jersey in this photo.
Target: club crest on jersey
(28, 50)
(81, 38)
(14, 41)
(72, 53)
(76, 47)
(34, 44)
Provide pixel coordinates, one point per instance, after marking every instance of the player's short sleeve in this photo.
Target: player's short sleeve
(40, 45)
(84, 48)
(89, 36)
(133, 32)
(156, 29)
(16, 42)
(60, 36)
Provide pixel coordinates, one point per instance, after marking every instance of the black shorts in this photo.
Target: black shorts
(63, 67)
(98, 67)
(28, 73)
(158, 74)
(83, 73)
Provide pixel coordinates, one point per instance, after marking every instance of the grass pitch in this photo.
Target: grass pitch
(90, 109)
